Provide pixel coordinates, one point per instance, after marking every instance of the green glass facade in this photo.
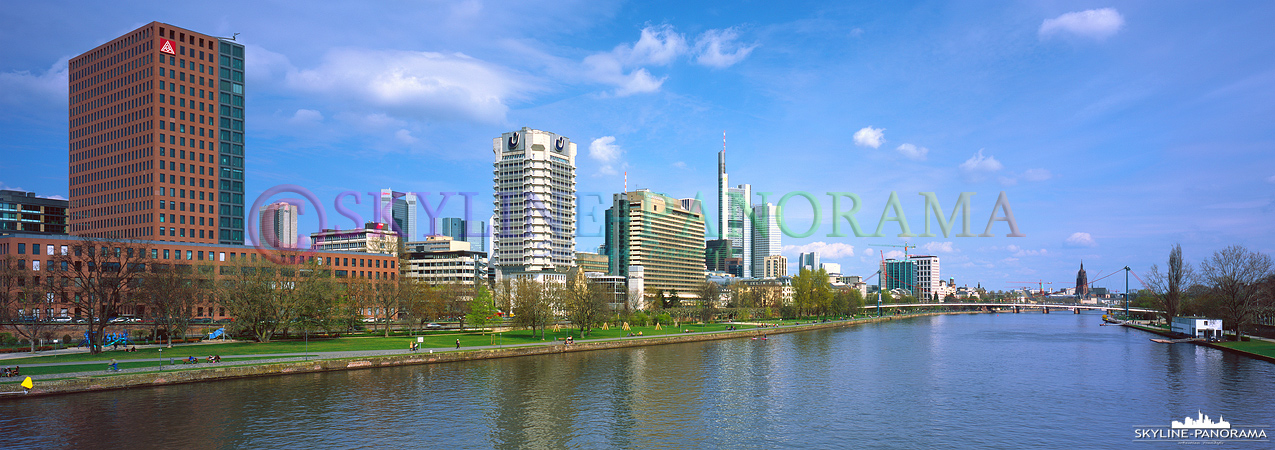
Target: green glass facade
(231, 143)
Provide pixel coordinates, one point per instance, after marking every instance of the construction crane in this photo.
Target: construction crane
(1040, 283)
(905, 247)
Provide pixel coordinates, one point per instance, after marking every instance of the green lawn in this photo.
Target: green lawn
(1264, 348)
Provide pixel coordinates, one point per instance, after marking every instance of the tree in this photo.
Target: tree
(249, 292)
(385, 295)
(170, 292)
(709, 294)
(811, 292)
(504, 294)
(102, 274)
(584, 301)
(482, 310)
(1235, 274)
(34, 294)
(1168, 285)
(456, 301)
(532, 307)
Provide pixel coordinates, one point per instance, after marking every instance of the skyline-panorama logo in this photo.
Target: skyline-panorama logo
(1200, 429)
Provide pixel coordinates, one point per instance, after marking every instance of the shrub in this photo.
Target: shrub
(640, 319)
(664, 319)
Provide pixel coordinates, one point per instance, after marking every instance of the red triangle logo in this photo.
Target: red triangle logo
(166, 46)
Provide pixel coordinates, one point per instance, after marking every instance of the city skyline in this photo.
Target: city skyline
(1051, 104)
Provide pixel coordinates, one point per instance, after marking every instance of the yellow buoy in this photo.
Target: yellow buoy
(27, 383)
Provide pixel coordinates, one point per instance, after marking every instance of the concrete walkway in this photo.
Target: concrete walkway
(270, 358)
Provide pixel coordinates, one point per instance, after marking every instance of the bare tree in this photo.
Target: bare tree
(103, 272)
(710, 295)
(1235, 274)
(1169, 285)
(170, 292)
(386, 296)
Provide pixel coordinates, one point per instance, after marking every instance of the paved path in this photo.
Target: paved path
(269, 358)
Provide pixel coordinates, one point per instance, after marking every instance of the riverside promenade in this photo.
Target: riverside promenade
(257, 365)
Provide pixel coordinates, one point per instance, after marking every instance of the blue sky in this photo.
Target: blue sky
(1115, 130)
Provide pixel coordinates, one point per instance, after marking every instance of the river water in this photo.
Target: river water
(961, 381)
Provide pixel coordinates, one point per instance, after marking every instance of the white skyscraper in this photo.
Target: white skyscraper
(740, 225)
(279, 225)
(723, 188)
(927, 277)
(535, 201)
(399, 210)
(766, 236)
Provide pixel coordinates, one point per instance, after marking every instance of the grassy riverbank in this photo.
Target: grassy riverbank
(1256, 348)
(394, 353)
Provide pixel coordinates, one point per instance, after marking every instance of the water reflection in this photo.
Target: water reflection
(1025, 380)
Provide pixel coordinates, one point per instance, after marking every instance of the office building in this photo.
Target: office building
(593, 262)
(734, 218)
(663, 235)
(740, 225)
(43, 255)
(808, 261)
(27, 213)
(437, 243)
(442, 260)
(472, 231)
(766, 236)
(899, 275)
(831, 268)
(372, 238)
(535, 201)
(279, 225)
(716, 252)
(775, 266)
(399, 210)
(157, 137)
(927, 278)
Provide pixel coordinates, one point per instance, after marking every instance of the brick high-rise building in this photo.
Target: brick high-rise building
(157, 137)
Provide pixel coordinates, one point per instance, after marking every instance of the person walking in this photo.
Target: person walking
(458, 343)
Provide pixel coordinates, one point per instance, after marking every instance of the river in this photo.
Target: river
(959, 381)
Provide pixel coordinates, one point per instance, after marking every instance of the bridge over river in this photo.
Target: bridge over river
(1045, 307)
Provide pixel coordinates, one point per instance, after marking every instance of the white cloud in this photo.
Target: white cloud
(869, 137)
(720, 49)
(1019, 252)
(306, 117)
(1079, 239)
(414, 84)
(680, 165)
(605, 151)
(404, 136)
(1037, 174)
(937, 247)
(658, 45)
(978, 166)
(52, 197)
(1097, 24)
(24, 87)
(11, 188)
(913, 152)
(826, 250)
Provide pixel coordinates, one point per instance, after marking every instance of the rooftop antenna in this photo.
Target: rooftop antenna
(232, 37)
(626, 181)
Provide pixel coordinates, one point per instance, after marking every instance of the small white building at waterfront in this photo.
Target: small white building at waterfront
(1198, 327)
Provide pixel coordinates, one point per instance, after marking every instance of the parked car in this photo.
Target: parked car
(433, 326)
(62, 319)
(201, 320)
